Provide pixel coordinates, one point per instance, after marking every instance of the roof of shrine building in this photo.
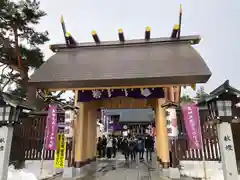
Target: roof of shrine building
(155, 61)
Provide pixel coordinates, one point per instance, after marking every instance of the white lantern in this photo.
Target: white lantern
(69, 117)
(171, 122)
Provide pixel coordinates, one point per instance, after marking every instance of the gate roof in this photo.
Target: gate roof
(159, 61)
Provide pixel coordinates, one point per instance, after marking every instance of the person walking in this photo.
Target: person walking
(149, 145)
(132, 151)
(140, 148)
(114, 148)
(125, 148)
(109, 147)
(99, 147)
(104, 145)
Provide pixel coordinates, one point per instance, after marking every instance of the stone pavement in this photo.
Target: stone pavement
(118, 169)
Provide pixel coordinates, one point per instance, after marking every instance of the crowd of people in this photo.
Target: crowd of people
(132, 147)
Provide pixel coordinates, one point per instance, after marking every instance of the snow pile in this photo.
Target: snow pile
(195, 169)
(32, 171)
(14, 174)
(35, 168)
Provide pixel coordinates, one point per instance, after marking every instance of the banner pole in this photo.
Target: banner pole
(42, 151)
(42, 160)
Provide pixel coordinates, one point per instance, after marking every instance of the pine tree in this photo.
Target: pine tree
(19, 42)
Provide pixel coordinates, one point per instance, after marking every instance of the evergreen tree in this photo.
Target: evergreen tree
(185, 99)
(19, 42)
(201, 94)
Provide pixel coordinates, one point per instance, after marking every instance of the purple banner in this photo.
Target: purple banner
(192, 125)
(137, 93)
(117, 127)
(51, 129)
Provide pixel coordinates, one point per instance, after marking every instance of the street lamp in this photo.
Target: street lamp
(223, 112)
(10, 110)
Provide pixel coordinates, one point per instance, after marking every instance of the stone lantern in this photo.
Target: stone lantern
(223, 112)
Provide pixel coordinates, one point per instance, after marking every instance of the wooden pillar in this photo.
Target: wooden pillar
(78, 136)
(91, 131)
(172, 97)
(85, 134)
(91, 134)
(157, 134)
(97, 114)
(162, 136)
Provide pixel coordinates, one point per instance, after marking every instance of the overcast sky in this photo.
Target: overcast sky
(217, 21)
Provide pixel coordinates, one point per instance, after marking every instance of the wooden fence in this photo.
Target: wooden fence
(210, 149)
(28, 138)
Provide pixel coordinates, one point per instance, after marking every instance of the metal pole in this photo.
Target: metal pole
(6, 133)
(42, 151)
(204, 162)
(42, 160)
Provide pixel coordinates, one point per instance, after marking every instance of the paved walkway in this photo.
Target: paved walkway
(118, 169)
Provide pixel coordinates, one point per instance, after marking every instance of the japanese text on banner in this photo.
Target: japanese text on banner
(51, 129)
(59, 156)
(192, 125)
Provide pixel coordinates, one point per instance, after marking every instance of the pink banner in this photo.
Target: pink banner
(192, 125)
(51, 129)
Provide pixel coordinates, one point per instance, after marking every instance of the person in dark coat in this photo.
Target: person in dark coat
(99, 147)
(104, 145)
(140, 147)
(114, 148)
(132, 146)
(149, 145)
(125, 148)
(119, 140)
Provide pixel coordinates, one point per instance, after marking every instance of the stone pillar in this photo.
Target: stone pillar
(227, 150)
(78, 136)
(6, 134)
(162, 136)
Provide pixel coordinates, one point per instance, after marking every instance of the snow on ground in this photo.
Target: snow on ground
(32, 171)
(196, 169)
(14, 174)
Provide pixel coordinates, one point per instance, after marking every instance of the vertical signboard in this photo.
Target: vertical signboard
(59, 156)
